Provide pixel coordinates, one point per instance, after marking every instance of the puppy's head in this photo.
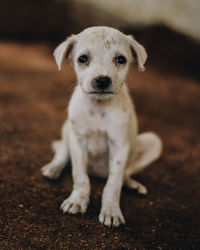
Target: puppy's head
(101, 57)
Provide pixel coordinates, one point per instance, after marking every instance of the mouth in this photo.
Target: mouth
(102, 92)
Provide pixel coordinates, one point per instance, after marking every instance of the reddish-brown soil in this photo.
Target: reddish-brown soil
(33, 101)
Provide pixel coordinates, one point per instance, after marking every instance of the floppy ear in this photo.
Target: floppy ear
(63, 50)
(138, 52)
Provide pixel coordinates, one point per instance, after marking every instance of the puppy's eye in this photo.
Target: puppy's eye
(83, 59)
(120, 59)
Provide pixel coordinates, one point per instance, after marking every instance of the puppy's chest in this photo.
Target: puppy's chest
(89, 122)
(91, 129)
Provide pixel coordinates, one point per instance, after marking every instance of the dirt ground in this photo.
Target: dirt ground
(33, 101)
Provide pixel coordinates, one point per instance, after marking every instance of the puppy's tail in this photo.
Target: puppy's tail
(149, 147)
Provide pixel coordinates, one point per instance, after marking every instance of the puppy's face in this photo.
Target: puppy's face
(101, 57)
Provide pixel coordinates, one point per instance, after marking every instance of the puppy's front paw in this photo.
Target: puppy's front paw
(75, 204)
(51, 171)
(111, 215)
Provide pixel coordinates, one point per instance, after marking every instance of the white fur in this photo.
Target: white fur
(100, 135)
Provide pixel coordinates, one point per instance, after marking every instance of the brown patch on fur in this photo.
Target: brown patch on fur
(118, 162)
(99, 101)
(111, 141)
(91, 112)
(124, 108)
(109, 43)
(73, 122)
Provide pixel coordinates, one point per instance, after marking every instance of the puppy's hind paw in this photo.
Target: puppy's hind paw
(51, 171)
(133, 184)
(142, 190)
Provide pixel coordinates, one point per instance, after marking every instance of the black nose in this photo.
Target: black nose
(103, 82)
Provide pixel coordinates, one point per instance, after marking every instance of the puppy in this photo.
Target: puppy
(100, 135)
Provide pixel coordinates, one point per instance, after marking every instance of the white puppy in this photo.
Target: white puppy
(100, 135)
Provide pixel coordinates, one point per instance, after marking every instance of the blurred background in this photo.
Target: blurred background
(33, 100)
(170, 30)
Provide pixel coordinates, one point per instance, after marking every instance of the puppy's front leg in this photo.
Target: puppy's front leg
(79, 198)
(110, 211)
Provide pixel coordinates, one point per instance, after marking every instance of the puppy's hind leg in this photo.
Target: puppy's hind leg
(54, 168)
(149, 147)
